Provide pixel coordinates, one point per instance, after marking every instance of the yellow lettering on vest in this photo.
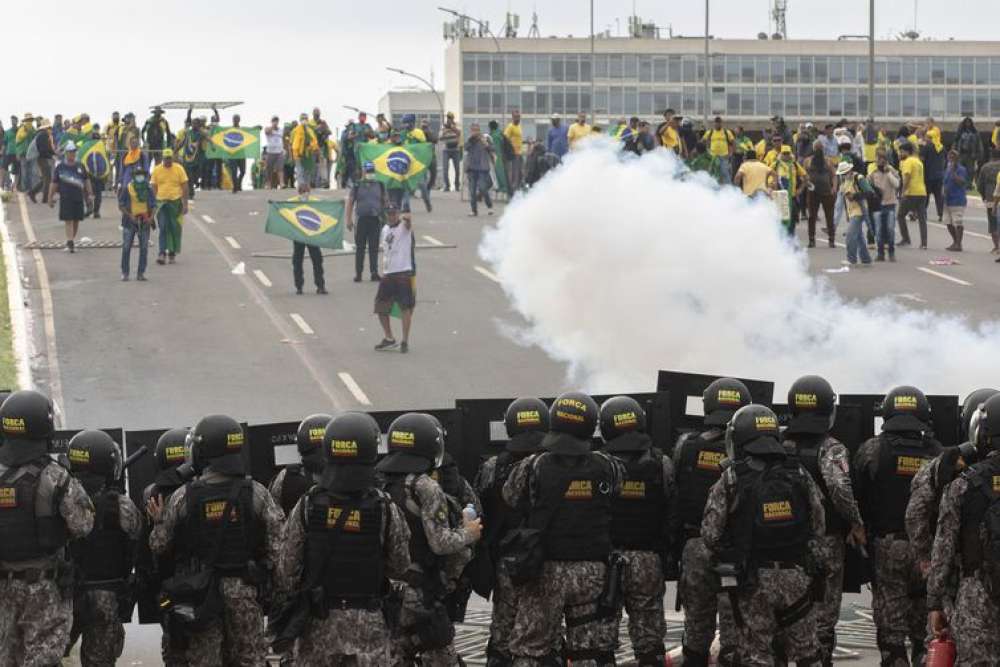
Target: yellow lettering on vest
(351, 525)
(908, 466)
(780, 510)
(709, 460)
(581, 489)
(213, 511)
(633, 489)
(8, 497)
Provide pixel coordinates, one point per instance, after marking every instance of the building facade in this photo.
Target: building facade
(424, 104)
(749, 80)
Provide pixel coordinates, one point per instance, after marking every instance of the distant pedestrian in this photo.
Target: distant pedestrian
(136, 202)
(933, 156)
(853, 196)
(821, 193)
(169, 182)
(515, 166)
(156, 134)
(479, 155)
(914, 194)
(956, 179)
(397, 286)
(885, 179)
(556, 140)
(451, 137)
(720, 141)
(367, 202)
(969, 145)
(578, 130)
(23, 142)
(70, 182)
(9, 170)
(237, 166)
(305, 151)
(987, 182)
(753, 176)
(299, 252)
(274, 152)
(46, 149)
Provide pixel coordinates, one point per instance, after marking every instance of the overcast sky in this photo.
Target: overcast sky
(286, 56)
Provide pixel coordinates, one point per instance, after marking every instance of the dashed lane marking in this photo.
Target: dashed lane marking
(262, 277)
(208, 219)
(298, 319)
(233, 243)
(432, 240)
(354, 388)
(944, 276)
(489, 274)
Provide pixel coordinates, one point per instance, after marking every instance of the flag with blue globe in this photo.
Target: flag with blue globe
(398, 165)
(311, 221)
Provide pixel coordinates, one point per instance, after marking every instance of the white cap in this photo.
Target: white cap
(844, 140)
(844, 167)
(555, 115)
(810, 125)
(70, 146)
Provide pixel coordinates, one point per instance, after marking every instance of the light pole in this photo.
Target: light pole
(426, 83)
(593, 117)
(871, 59)
(496, 43)
(708, 67)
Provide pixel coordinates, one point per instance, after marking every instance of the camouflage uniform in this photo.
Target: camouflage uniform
(834, 467)
(774, 588)
(170, 654)
(976, 616)
(35, 618)
(899, 602)
(103, 637)
(238, 637)
(347, 636)
(430, 503)
(567, 589)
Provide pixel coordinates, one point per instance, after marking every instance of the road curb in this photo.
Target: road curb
(16, 303)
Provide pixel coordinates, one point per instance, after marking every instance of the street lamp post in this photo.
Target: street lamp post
(708, 67)
(871, 59)
(496, 43)
(593, 116)
(426, 83)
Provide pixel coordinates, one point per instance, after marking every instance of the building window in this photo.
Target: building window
(862, 70)
(601, 99)
(659, 70)
(483, 99)
(718, 69)
(894, 71)
(806, 102)
(747, 69)
(631, 67)
(938, 107)
(631, 100)
(585, 99)
(733, 102)
(863, 103)
(777, 70)
(585, 69)
(923, 71)
(573, 68)
(909, 104)
(689, 101)
(718, 101)
(645, 103)
(558, 100)
(806, 69)
(483, 65)
(543, 68)
(952, 103)
(732, 69)
(777, 106)
(880, 111)
(557, 71)
(952, 71)
(600, 67)
(689, 69)
(892, 103)
(514, 67)
(615, 107)
(995, 102)
(820, 102)
(982, 71)
(791, 102)
(835, 69)
(468, 67)
(746, 101)
(659, 102)
(616, 66)
(468, 99)
(968, 71)
(909, 71)
(967, 107)
(995, 71)
(527, 100)
(835, 98)
(674, 69)
(850, 102)
(851, 66)
(646, 69)
(763, 69)
(573, 100)
(923, 102)
(937, 70)
(880, 71)
(982, 102)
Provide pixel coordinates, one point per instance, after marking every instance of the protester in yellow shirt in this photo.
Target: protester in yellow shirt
(305, 150)
(721, 143)
(753, 175)
(996, 136)
(914, 199)
(772, 155)
(667, 133)
(169, 183)
(515, 165)
(578, 130)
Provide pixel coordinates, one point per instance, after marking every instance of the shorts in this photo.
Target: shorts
(273, 162)
(400, 197)
(991, 220)
(953, 215)
(396, 288)
(71, 210)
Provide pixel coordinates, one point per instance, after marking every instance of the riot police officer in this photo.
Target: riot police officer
(103, 559)
(697, 464)
(460, 495)
(526, 421)
(765, 520)
(566, 492)
(343, 540)
(294, 480)
(813, 407)
(416, 447)
(640, 525)
(225, 530)
(41, 508)
(884, 467)
(968, 535)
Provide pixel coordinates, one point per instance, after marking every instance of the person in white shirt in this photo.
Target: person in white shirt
(397, 285)
(273, 154)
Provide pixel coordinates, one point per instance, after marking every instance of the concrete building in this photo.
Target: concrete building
(422, 103)
(750, 80)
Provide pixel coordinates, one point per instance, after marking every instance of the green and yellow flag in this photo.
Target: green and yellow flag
(398, 166)
(93, 155)
(314, 222)
(233, 143)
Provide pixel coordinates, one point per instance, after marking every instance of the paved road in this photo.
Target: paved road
(199, 338)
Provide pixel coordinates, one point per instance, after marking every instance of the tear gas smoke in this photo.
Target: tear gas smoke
(621, 268)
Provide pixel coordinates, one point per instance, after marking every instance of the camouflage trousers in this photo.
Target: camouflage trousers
(348, 638)
(102, 635)
(899, 600)
(974, 624)
(774, 591)
(505, 601)
(700, 590)
(407, 644)
(171, 656)
(828, 611)
(238, 637)
(644, 589)
(34, 623)
(567, 589)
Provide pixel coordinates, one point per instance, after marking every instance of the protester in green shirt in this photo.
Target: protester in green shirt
(9, 166)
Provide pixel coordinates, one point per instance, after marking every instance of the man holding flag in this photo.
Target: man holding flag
(397, 288)
(305, 151)
(169, 183)
(310, 224)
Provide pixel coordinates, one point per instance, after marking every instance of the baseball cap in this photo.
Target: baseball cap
(168, 152)
(70, 147)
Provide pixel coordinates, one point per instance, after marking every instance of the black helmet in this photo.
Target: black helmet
(218, 441)
(309, 441)
(813, 405)
(905, 409)
(572, 422)
(94, 458)
(753, 430)
(171, 449)
(623, 416)
(27, 424)
(970, 406)
(986, 426)
(416, 444)
(350, 449)
(527, 421)
(722, 399)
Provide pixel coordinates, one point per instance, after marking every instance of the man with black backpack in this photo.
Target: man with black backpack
(225, 530)
(367, 200)
(103, 597)
(640, 519)
(968, 545)
(156, 134)
(884, 468)
(764, 525)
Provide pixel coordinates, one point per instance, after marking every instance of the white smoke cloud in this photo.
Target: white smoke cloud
(621, 269)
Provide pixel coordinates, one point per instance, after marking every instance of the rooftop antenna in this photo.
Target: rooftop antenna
(533, 32)
(778, 12)
(511, 24)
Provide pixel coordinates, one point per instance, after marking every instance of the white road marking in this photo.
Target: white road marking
(262, 277)
(967, 232)
(18, 307)
(208, 219)
(55, 380)
(306, 329)
(348, 246)
(489, 274)
(233, 243)
(945, 276)
(353, 387)
(432, 240)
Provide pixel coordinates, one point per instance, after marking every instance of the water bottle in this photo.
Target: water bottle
(469, 513)
(941, 653)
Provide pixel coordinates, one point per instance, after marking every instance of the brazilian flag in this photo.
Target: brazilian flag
(94, 157)
(233, 143)
(397, 165)
(313, 222)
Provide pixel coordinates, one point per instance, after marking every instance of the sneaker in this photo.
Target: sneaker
(404, 347)
(880, 258)
(473, 214)
(812, 243)
(892, 258)
(124, 277)
(357, 278)
(71, 246)
(141, 277)
(171, 258)
(97, 215)
(903, 243)
(923, 247)
(489, 212)
(867, 264)
(321, 290)
(386, 344)
(429, 207)
(375, 278)
(161, 259)
(298, 290)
